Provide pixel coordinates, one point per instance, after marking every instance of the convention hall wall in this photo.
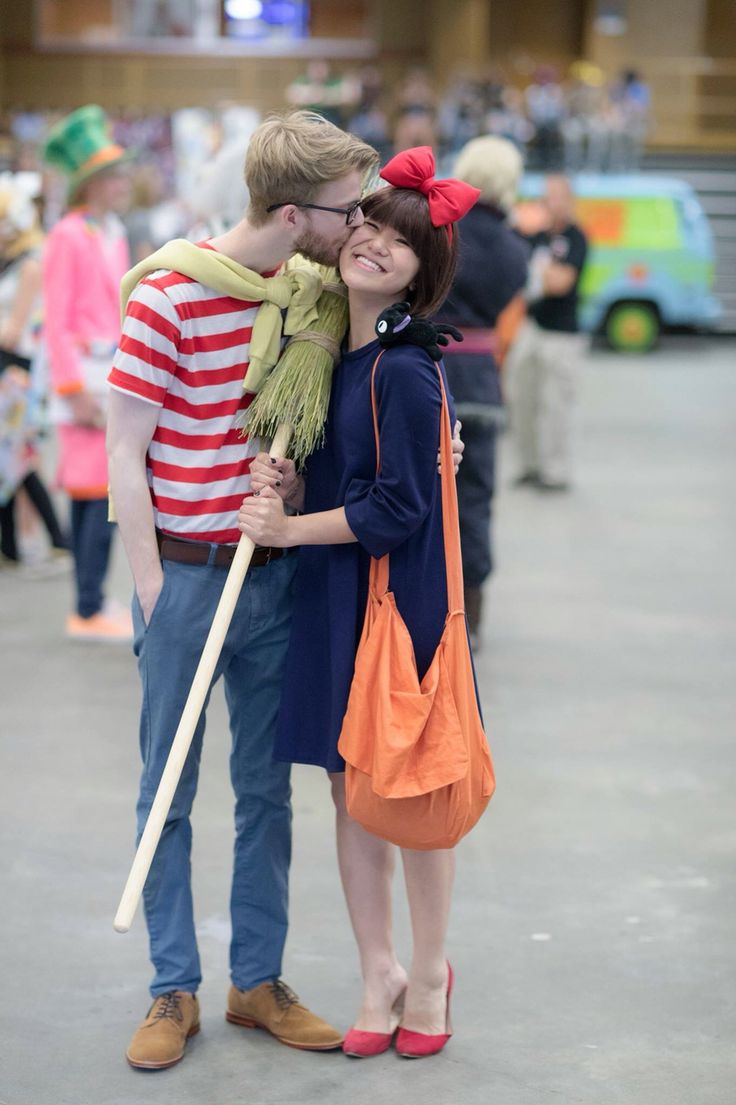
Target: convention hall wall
(351, 32)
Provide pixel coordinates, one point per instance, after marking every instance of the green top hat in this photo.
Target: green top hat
(81, 145)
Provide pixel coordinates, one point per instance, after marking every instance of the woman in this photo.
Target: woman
(405, 249)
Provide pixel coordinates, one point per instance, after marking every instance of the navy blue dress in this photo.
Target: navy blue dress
(398, 512)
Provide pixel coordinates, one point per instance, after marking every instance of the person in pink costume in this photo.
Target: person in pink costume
(85, 259)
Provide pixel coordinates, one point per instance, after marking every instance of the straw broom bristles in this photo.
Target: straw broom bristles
(297, 391)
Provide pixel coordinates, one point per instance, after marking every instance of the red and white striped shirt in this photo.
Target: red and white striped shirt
(185, 349)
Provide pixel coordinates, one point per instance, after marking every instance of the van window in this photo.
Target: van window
(695, 225)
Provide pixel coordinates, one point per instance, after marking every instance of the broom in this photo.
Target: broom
(291, 407)
(296, 394)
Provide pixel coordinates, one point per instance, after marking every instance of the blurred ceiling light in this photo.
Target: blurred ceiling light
(243, 9)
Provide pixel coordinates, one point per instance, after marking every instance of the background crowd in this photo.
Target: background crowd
(573, 121)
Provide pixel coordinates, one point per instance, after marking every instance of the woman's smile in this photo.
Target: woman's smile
(367, 263)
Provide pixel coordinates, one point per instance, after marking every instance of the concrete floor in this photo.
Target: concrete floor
(593, 927)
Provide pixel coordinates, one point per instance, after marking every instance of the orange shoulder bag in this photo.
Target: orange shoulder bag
(418, 769)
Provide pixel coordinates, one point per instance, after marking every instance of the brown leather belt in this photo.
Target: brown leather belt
(200, 552)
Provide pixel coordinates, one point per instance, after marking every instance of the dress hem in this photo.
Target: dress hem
(309, 763)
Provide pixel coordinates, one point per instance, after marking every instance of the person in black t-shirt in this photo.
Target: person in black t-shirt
(544, 364)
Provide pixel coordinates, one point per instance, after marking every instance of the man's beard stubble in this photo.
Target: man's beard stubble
(315, 247)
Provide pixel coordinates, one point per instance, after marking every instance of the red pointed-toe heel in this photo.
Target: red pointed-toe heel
(418, 1045)
(364, 1045)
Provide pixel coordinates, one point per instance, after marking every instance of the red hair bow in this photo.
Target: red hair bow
(448, 200)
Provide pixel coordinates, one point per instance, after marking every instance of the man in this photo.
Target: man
(544, 363)
(178, 474)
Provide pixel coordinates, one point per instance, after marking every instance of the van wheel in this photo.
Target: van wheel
(632, 327)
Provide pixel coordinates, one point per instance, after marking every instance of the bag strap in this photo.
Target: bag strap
(379, 569)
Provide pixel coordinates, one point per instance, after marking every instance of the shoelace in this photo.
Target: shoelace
(283, 994)
(168, 1006)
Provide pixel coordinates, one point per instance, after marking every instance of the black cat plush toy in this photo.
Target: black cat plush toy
(395, 326)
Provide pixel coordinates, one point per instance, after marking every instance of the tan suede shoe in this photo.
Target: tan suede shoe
(275, 1007)
(160, 1040)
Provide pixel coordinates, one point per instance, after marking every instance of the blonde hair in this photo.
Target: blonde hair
(494, 165)
(290, 156)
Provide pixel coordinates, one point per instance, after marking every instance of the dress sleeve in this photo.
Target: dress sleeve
(385, 511)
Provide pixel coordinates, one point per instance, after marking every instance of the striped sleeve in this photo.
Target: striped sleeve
(146, 359)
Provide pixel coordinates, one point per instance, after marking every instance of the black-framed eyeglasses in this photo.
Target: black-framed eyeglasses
(348, 212)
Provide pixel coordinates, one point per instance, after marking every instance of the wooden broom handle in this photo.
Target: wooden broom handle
(190, 716)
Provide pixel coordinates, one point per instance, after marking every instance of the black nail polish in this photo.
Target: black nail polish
(278, 483)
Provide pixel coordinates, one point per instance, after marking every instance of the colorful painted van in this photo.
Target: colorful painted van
(651, 260)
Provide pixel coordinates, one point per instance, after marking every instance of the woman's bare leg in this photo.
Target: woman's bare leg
(429, 877)
(366, 869)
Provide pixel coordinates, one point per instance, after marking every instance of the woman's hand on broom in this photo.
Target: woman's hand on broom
(279, 474)
(262, 518)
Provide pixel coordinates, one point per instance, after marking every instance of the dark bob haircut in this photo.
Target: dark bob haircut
(407, 212)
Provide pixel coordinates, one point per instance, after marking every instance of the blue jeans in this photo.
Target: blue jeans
(252, 663)
(91, 541)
